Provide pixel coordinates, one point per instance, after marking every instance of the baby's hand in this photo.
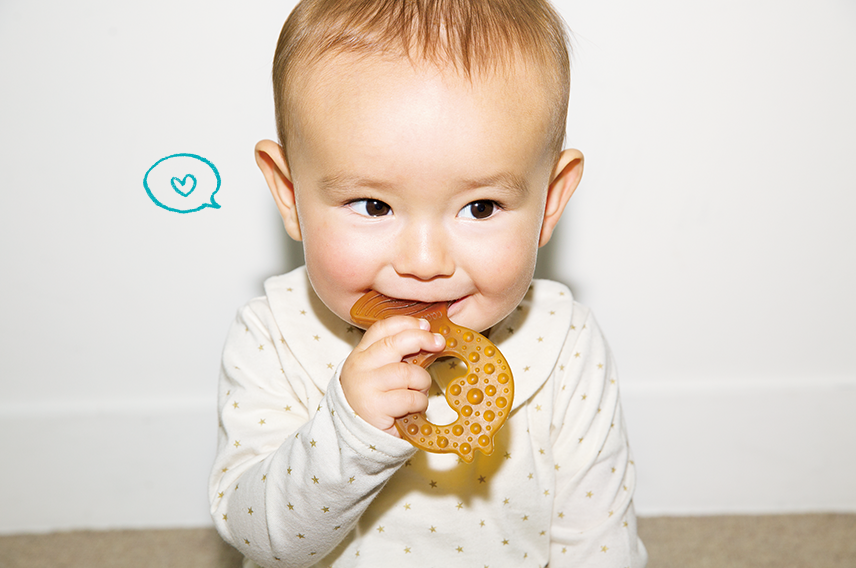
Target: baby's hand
(378, 385)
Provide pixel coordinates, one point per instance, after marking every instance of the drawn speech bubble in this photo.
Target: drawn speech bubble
(183, 183)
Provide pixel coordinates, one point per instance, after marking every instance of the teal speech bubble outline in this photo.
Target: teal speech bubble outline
(213, 204)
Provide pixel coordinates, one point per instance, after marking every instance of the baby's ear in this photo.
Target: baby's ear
(271, 162)
(565, 178)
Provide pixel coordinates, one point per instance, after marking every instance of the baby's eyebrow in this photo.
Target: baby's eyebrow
(344, 183)
(507, 182)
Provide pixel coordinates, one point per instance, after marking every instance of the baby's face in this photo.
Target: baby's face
(422, 185)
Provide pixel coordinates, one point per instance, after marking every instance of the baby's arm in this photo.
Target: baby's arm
(593, 523)
(295, 467)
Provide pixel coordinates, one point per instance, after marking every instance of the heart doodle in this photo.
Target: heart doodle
(183, 183)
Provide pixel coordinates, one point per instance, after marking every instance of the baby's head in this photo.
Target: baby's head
(421, 148)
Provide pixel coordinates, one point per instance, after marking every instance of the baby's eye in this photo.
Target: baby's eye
(370, 207)
(479, 209)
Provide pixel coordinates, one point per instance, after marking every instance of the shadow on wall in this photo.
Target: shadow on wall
(550, 259)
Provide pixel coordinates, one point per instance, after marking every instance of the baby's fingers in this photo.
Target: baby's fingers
(393, 348)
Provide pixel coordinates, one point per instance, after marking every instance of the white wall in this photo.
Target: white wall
(714, 235)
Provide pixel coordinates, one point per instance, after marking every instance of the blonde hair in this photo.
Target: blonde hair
(474, 36)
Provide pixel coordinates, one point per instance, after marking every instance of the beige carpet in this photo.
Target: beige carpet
(787, 541)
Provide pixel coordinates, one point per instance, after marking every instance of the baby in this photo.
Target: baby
(420, 156)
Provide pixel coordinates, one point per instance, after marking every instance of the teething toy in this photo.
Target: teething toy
(482, 398)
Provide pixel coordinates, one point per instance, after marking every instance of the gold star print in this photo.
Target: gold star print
(246, 542)
(329, 365)
(460, 549)
(312, 443)
(250, 511)
(561, 515)
(407, 506)
(281, 339)
(600, 365)
(325, 509)
(509, 330)
(433, 483)
(505, 501)
(542, 533)
(546, 493)
(541, 451)
(262, 422)
(225, 517)
(264, 477)
(460, 505)
(577, 354)
(303, 312)
(530, 476)
(557, 466)
(288, 289)
(481, 523)
(589, 494)
(246, 329)
(538, 408)
(235, 405)
(351, 329)
(380, 529)
(505, 542)
(585, 396)
(290, 507)
(261, 347)
(526, 368)
(300, 535)
(316, 338)
(507, 456)
(540, 339)
(237, 443)
(406, 550)
(525, 517)
(288, 471)
(611, 513)
(581, 440)
(433, 529)
(314, 479)
(288, 408)
(603, 549)
(220, 495)
(352, 479)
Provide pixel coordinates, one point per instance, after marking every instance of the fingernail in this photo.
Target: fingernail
(439, 340)
(423, 323)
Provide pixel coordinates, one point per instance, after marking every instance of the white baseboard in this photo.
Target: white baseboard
(743, 447)
(700, 448)
(110, 465)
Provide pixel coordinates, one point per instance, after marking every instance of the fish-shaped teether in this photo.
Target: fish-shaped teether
(481, 398)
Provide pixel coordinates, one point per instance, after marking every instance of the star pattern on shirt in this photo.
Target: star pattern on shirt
(523, 508)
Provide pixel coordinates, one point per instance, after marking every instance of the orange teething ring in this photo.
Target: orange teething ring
(482, 398)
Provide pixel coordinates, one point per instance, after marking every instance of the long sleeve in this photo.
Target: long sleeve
(295, 467)
(593, 522)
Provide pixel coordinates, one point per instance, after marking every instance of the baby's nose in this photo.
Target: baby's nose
(422, 252)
